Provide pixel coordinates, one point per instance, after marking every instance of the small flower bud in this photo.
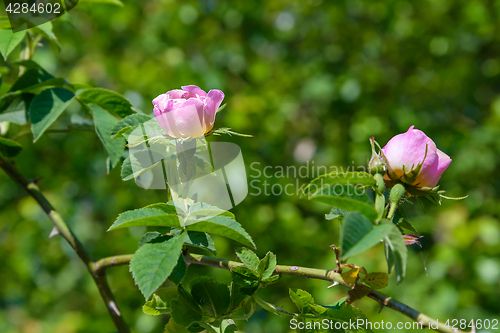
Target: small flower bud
(397, 193)
(380, 183)
(377, 163)
(412, 239)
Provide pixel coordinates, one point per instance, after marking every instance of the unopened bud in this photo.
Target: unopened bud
(397, 193)
(377, 164)
(380, 182)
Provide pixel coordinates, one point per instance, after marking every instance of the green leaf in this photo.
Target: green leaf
(237, 298)
(197, 239)
(9, 40)
(160, 215)
(7, 99)
(395, 252)
(9, 148)
(206, 328)
(305, 302)
(159, 303)
(223, 226)
(179, 270)
(354, 228)
(107, 2)
(302, 299)
(31, 78)
(35, 79)
(346, 197)
(16, 109)
(227, 130)
(149, 236)
(336, 214)
(337, 304)
(403, 223)
(172, 326)
(132, 166)
(185, 310)
(373, 238)
(127, 172)
(46, 108)
(201, 240)
(247, 279)
(154, 307)
(201, 210)
(340, 312)
(149, 133)
(358, 235)
(104, 122)
(267, 265)
(172, 206)
(228, 326)
(199, 327)
(343, 178)
(128, 124)
(108, 100)
(270, 280)
(213, 297)
(249, 258)
(153, 263)
(50, 83)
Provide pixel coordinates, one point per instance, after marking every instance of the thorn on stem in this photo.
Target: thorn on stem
(54, 232)
(335, 283)
(113, 306)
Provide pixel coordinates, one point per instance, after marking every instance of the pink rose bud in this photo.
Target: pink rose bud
(412, 239)
(189, 112)
(414, 158)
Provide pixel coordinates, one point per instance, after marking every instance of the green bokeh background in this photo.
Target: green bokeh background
(320, 75)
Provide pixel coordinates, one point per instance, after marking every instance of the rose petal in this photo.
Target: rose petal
(161, 101)
(431, 176)
(194, 91)
(188, 119)
(176, 93)
(444, 162)
(166, 119)
(212, 103)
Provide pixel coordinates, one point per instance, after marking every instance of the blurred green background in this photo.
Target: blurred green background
(309, 79)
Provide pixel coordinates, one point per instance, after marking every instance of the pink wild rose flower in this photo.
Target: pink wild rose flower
(408, 150)
(189, 112)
